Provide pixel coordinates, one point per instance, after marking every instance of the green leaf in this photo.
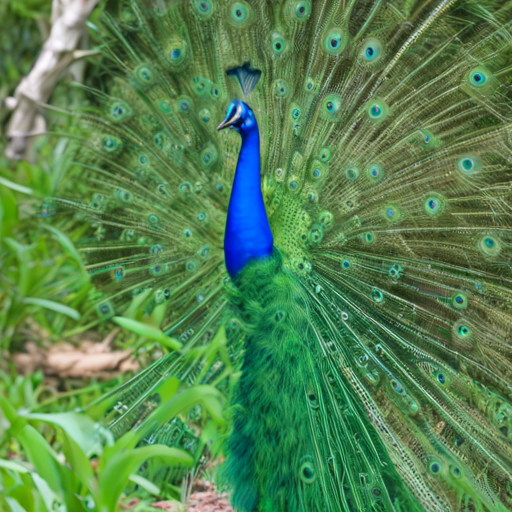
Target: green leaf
(13, 466)
(9, 411)
(79, 462)
(207, 396)
(8, 212)
(14, 505)
(49, 497)
(78, 427)
(14, 186)
(145, 484)
(148, 332)
(53, 306)
(117, 472)
(65, 242)
(41, 455)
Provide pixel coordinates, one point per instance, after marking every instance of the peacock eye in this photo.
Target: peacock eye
(463, 330)
(469, 164)
(477, 79)
(124, 196)
(331, 106)
(144, 75)
(459, 301)
(143, 159)
(119, 111)
(205, 115)
(241, 14)
(432, 204)
(111, 144)
(302, 10)
(375, 172)
(435, 467)
(165, 107)
(159, 140)
(204, 8)
(352, 173)
(377, 110)
(392, 213)
(325, 154)
(307, 473)
(378, 296)
(278, 44)
(184, 104)
(489, 246)
(281, 88)
(153, 220)
(456, 472)
(296, 113)
(335, 41)
(372, 50)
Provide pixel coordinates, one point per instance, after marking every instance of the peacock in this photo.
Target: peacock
(328, 182)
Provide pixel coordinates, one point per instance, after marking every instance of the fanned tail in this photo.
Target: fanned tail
(386, 154)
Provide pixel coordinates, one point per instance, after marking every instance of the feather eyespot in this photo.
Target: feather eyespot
(241, 14)
(352, 173)
(307, 473)
(331, 107)
(325, 154)
(281, 88)
(335, 41)
(469, 164)
(279, 44)
(302, 10)
(490, 246)
(203, 8)
(459, 301)
(371, 51)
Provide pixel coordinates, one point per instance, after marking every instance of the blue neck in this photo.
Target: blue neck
(248, 234)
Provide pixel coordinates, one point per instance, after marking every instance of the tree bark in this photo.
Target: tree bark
(59, 51)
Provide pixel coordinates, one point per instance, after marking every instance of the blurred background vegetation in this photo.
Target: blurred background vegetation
(52, 459)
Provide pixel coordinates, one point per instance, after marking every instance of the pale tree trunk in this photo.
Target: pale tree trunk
(59, 51)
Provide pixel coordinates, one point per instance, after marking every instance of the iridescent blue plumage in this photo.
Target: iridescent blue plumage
(248, 234)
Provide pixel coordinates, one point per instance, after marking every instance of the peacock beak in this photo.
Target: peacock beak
(232, 117)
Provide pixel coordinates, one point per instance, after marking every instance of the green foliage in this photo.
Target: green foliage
(91, 471)
(42, 273)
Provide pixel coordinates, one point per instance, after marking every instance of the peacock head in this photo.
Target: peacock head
(240, 117)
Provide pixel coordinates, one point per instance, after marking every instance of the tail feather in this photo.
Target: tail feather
(386, 159)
